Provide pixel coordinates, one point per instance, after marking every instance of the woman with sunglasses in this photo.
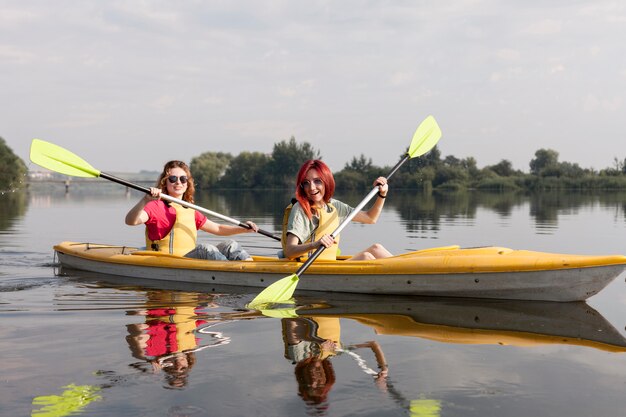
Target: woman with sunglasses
(316, 215)
(172, 228)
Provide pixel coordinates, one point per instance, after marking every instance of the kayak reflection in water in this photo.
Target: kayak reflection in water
(310, 343)
(167, 339)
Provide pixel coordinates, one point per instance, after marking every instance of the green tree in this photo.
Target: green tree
(209, 167)
(361, 164)
(12, 168)
(246, 170)
(430, 159)
(504, 168)
(450, 174)
(545, 162)
(286, 159)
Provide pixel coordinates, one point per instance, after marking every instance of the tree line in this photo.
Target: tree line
(12, 169)
(250, 170)
(431, 172)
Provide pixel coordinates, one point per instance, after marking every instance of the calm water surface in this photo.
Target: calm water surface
(126, 347)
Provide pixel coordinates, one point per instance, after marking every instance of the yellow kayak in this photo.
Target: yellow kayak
(486, 272)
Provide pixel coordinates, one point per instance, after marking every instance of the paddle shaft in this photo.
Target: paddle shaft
(184, 203)
(349, 218)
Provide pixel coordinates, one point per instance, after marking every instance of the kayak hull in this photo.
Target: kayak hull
(492, 272)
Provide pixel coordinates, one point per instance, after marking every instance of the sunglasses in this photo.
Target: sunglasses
(307, 184)
(173, 178)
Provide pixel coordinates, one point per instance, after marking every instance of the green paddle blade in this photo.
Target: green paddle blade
(425, 408)
(280, 313)
(425, 138)
(55, 158)
(280, 291)
(72, 401)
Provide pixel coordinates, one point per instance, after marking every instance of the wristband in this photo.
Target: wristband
(381, 196)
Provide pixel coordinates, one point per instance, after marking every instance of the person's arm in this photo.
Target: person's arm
(371, 216)
(137, 215)
(293, 247)
(227, 230)
(378, 353)
(380, 358)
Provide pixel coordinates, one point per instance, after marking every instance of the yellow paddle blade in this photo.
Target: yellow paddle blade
(425, 408)
(73, 400)
(425, 138)
(55, 158)
(280, 313)
(279, 292)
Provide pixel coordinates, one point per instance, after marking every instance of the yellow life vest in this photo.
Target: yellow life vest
(328, 328)
(182, 237)
(308, 339)
(185, 320)
(328, 222)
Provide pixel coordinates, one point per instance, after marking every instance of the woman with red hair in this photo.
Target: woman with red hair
(316, 215)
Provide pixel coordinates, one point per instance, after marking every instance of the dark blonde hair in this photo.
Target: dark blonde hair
(162, 181)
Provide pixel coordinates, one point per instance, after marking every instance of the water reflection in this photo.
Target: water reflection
(12, 207)
(423, 212)
(169, 337)
(474, 321)
(172, 326)
(523, 324)
(310, 343)
(315, 319)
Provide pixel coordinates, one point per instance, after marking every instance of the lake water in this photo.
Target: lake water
(105, 346)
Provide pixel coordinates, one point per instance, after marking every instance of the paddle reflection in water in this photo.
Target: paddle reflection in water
(169, 337)
(334, 360)
(310, 343)
(313, 337)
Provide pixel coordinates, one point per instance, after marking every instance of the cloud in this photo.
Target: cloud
(267, 129)
(594, 104)
(508, 54)
(401, 78)
(557, 68)
(79, 120)
(545, 27)
(163, 103)
(13, 17)
(16, 56)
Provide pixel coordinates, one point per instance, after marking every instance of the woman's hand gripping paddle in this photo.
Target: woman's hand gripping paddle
(55, 158)
(425, 138)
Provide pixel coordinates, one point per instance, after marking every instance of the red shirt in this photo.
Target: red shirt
(161, 218)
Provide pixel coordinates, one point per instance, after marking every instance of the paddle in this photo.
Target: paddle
(58, 159)
(425, 138)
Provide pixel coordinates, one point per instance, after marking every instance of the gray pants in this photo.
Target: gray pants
(228, 250)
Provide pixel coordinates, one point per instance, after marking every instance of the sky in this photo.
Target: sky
(129, 85)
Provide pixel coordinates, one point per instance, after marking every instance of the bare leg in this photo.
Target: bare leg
(376, 251)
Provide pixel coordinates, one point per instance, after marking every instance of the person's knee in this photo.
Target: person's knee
(368, 256)
(206, 251)
(227, 246)
(233, 251)
(376, 247)
(378, 251)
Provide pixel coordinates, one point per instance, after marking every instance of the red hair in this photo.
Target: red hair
(315, 379)
(326, 176)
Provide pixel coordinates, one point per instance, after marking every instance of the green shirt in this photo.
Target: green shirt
(300, 226)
